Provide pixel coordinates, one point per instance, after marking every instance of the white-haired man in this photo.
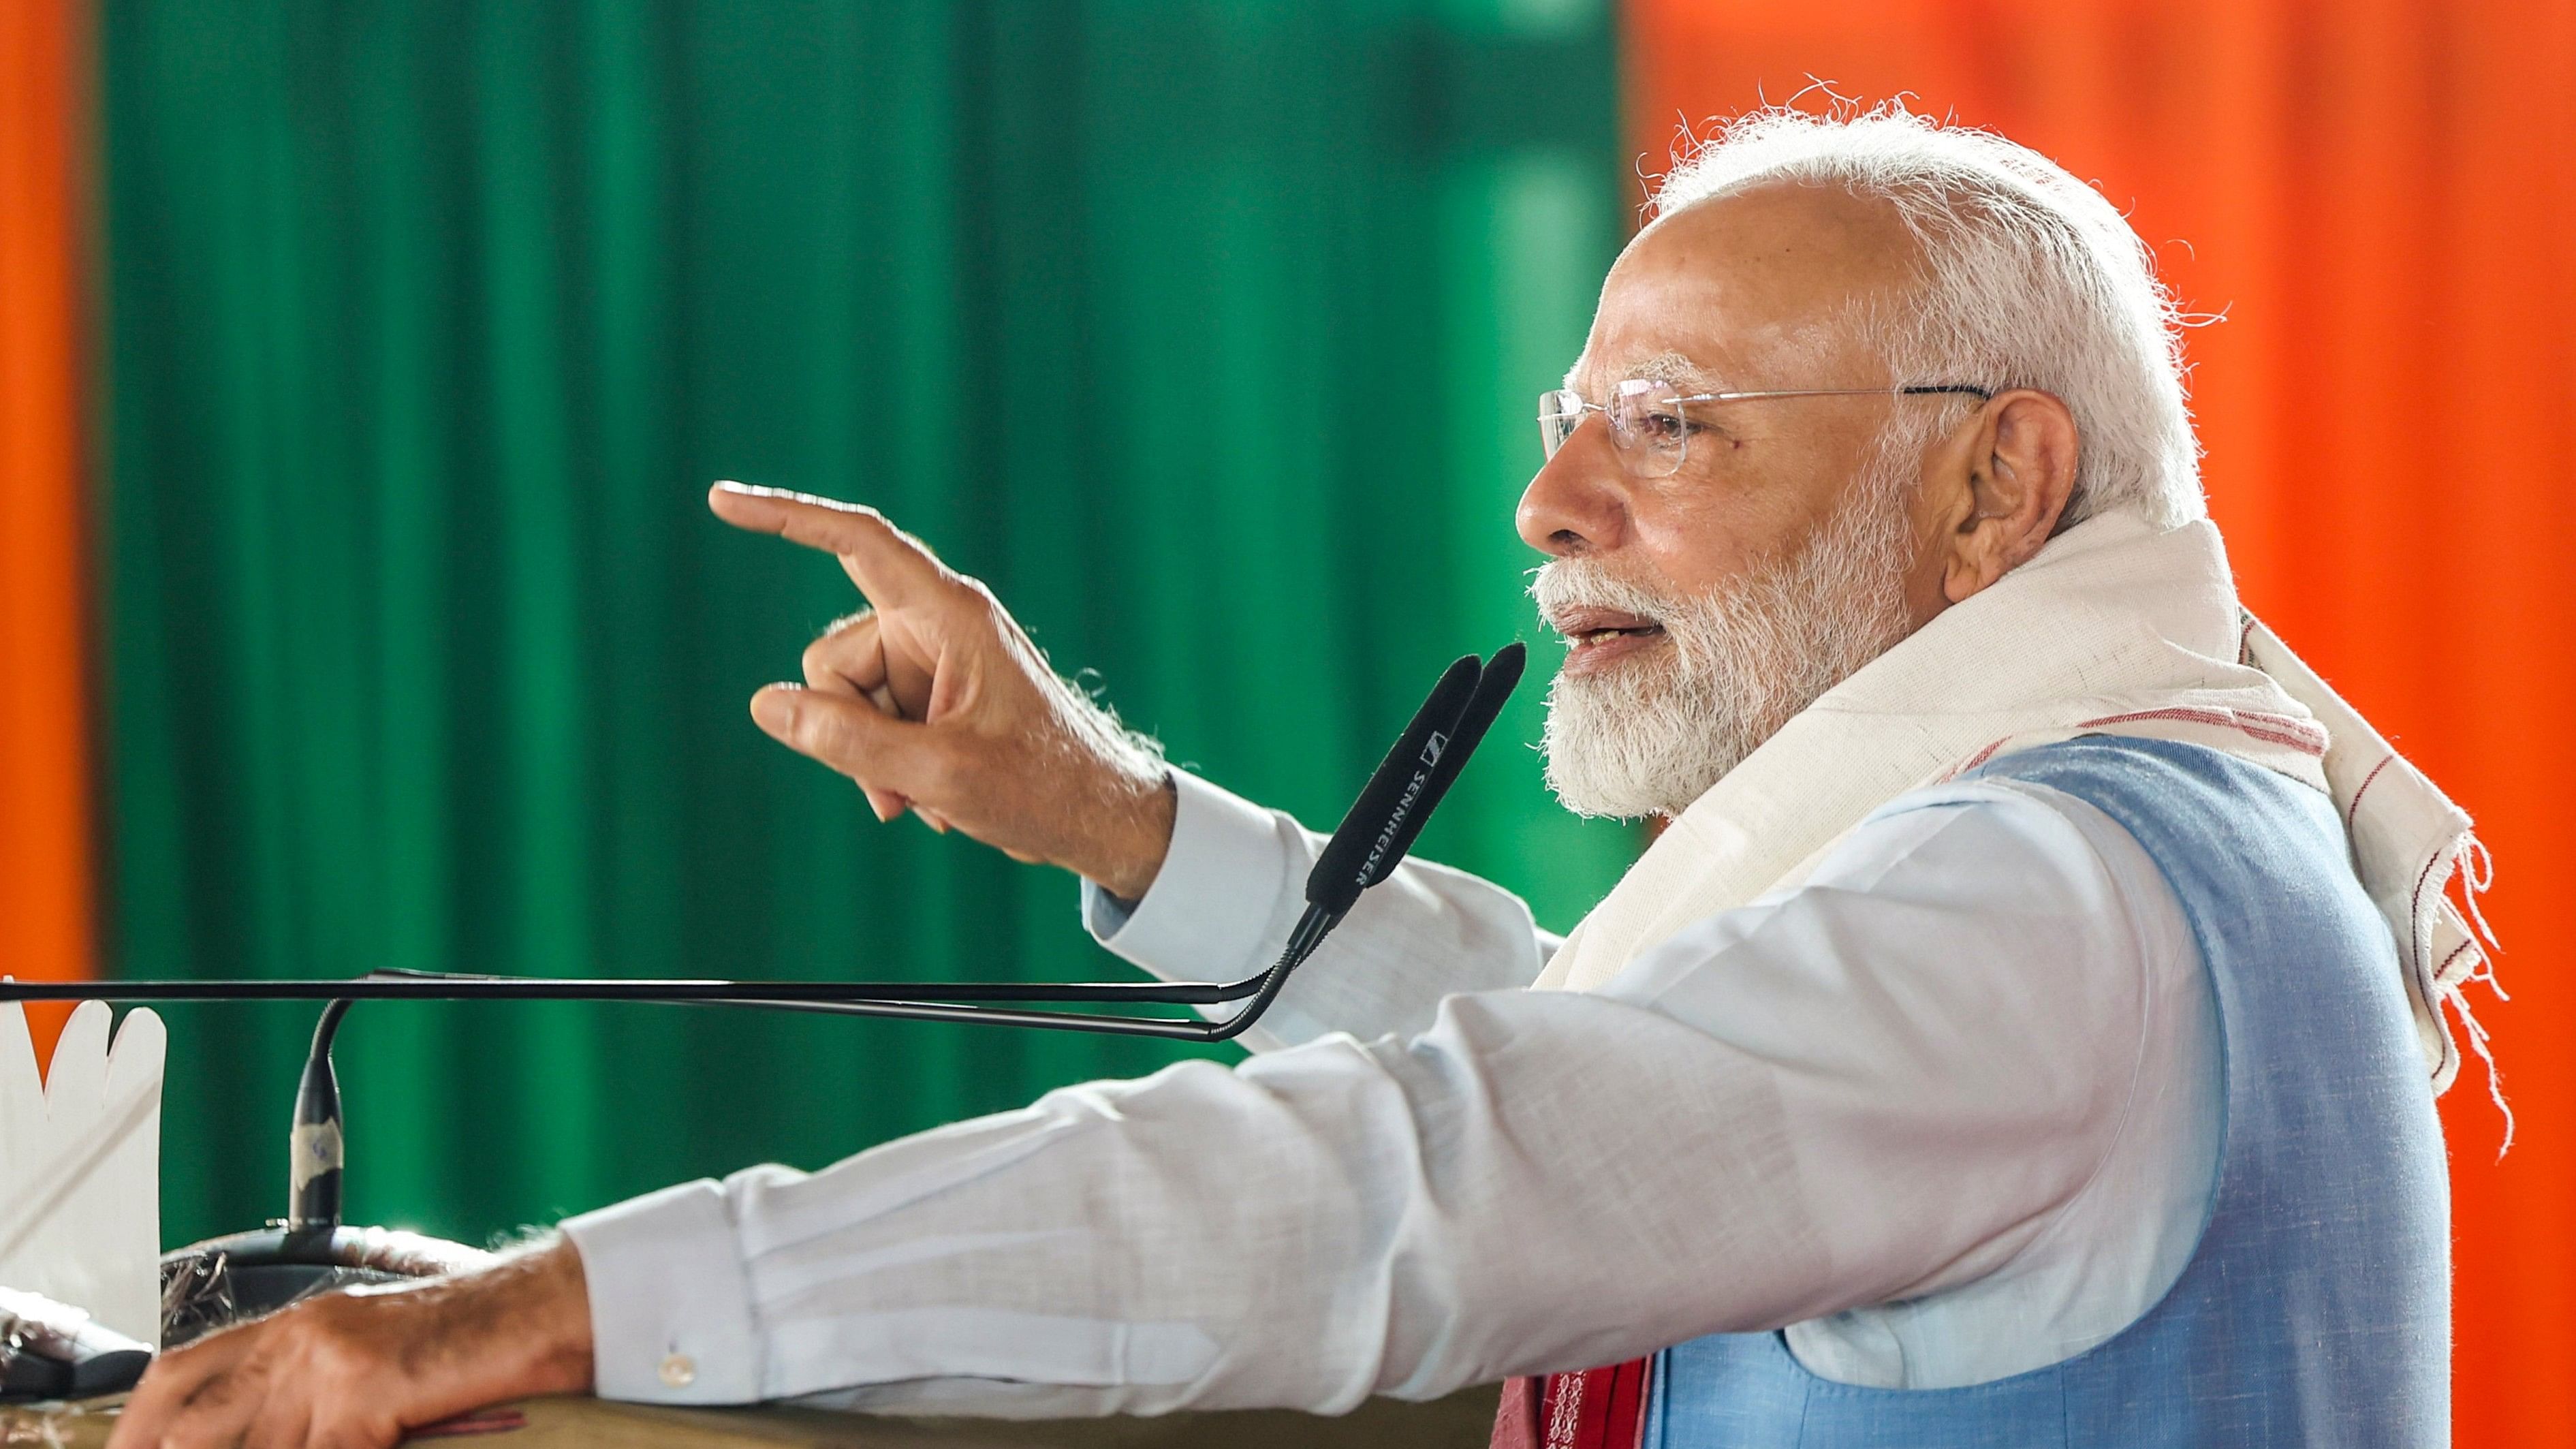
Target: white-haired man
(2026, 1031)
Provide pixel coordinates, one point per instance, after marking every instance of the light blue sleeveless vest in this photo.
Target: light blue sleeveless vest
(2316, 1308)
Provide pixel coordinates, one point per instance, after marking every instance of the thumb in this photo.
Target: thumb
(849, 734)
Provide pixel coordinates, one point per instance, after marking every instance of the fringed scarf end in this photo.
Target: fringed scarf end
(2472, 961)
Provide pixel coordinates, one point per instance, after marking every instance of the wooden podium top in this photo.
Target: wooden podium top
(1463, 1420)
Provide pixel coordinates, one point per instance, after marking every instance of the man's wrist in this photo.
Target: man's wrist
(1142, 834)
(537, 1299)
(560, 1301)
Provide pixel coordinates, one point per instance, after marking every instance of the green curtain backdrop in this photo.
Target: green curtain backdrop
(1206, 333)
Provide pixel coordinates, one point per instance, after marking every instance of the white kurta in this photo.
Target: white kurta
(1949, 1109)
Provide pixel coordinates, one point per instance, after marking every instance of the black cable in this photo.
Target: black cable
(1376, 833)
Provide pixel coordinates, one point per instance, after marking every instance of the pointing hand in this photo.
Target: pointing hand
(934, 698)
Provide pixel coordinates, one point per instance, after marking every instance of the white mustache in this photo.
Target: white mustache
(1567, 584)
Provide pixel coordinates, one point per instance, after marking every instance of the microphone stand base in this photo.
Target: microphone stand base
(222, 1281)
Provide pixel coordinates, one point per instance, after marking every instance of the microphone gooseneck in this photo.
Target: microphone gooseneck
(315, 1147)
(1374, 836)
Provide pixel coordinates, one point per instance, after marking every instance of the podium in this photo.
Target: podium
(1463, 1420)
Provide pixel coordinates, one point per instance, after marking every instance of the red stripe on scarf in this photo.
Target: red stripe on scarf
(1602, 1408)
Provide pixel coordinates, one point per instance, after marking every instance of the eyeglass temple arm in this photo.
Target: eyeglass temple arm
(1908, 390)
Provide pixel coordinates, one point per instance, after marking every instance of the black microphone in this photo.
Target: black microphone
(1502, 673)
(1392, 809)
(1392, 796)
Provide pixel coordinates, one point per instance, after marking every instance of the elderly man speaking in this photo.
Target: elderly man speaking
(2026, 1031)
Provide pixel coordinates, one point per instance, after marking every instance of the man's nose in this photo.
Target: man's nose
(1578, 502)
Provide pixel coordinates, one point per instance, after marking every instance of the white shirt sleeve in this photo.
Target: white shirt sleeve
(1232, 886)
(1886, 1083)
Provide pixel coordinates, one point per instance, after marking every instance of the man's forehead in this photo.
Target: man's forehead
(1732, 289)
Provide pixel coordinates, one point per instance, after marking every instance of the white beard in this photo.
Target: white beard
(1653, 733)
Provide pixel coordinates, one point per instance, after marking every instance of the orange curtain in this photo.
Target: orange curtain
(2378, 197)
(45, 926)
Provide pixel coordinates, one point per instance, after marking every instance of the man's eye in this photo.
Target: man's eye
(1663, 426)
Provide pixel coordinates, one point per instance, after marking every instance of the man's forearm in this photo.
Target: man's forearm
(1309, 1229)
(1830, 1100)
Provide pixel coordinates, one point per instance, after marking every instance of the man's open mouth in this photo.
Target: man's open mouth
(1598, 638)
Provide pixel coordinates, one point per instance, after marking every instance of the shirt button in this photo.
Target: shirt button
(679, 1371)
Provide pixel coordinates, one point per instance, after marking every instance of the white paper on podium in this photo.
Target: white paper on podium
(80, 1166)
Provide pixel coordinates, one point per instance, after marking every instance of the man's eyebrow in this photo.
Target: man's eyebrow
(1672, 367)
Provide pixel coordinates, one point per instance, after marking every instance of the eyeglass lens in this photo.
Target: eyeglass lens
(1646, 423)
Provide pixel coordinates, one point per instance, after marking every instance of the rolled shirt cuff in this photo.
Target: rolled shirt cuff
(671, 1319)
(1210, 910)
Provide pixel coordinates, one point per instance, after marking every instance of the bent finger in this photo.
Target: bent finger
(890, 566)
(853, 736)
(848, 658)
(840, 663)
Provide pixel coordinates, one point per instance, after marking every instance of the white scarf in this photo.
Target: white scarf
(2115, 628)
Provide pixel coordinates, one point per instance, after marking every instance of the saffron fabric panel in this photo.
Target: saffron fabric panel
(45, 905)
(1205, 333)
(2373, 196)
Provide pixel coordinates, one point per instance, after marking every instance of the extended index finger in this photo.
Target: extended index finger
(890, 566)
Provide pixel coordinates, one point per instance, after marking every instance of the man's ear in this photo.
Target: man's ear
(2021, 467)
